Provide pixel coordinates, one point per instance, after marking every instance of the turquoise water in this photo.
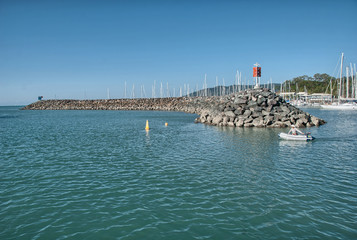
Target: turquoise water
(100, 175)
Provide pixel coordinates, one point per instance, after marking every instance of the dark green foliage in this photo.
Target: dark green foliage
(319, 83)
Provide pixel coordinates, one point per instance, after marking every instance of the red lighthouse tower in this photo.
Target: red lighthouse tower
(257, 73)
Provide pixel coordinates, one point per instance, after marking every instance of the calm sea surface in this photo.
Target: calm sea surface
(100, 175)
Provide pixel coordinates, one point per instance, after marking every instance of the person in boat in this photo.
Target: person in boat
(295, 131)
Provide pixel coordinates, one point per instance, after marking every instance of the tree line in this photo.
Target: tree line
(319, 83)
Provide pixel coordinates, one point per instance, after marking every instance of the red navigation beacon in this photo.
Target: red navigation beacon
(257, 71)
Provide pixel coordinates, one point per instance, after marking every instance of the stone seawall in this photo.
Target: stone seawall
(250, 108)
(152, 104)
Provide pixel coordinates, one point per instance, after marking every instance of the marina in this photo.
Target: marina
(345, 87)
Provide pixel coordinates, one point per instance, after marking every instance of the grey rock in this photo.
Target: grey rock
(287, 123)
(300, 123)
(216, 120)
(248, 125)
(272, 102)
(269, 108)
(285, 109)
(247, 113)
(229, 108)
(238, 112)
(229, 114)
(309, 124)
(252, 104)
(258, 122)
(230, 124)
(315, 121)
(266, 113)
(240, 123)
(240, 101)
(267, 122)
(248, 120)
(278, 124)
(271, 118)
(261, 100)
(266, 94)
(256, 114)
(225, 120)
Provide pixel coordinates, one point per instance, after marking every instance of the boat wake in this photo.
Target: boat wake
(337, 138)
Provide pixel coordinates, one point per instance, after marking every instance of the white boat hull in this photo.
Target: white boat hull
(296, 137)
(346, 106)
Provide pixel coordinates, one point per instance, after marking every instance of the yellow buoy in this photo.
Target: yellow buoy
(147, 125)
(166, 124)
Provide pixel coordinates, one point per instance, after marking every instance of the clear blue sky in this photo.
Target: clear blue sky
(78, 49)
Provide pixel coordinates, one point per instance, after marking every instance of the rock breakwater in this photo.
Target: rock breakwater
(250, 108)
(189, 105)
(256, 108)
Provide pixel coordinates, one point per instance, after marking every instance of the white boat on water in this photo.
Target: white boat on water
(343, 106)
(298, 103)
(296, 134)
(299, 137)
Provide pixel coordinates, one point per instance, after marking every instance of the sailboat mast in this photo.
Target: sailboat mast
(347, 82)
(339, 91)
(331, 88)
(240, 82)
(352, 82)
(205, 85)
(355, 76)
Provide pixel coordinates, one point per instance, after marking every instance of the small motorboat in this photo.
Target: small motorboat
(297, 137)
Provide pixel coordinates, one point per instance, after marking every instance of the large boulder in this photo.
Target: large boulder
(247, 113)
(258, 122)
(266, 113)
(240, 101)
(229, 114)
(216, 120)
(261, 100)
(240, 123)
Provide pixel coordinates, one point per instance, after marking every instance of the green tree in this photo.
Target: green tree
(319, 83)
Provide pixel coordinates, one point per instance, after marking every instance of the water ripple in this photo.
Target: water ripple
(99, 175)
